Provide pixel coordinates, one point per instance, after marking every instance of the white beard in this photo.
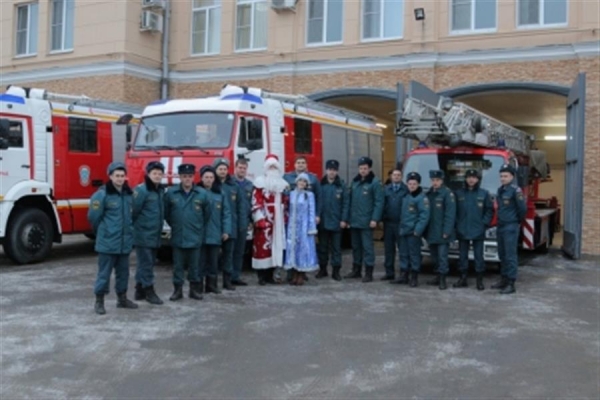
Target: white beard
(274, 182)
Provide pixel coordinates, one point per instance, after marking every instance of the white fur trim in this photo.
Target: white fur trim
(262, 263)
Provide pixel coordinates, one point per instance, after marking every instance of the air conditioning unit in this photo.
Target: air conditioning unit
(280, 5)
(151, 22)
(153, 4)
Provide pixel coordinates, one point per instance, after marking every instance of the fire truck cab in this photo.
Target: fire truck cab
(54, 151)
(454, 137)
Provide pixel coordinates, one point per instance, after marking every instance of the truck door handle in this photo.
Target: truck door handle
(97, 182)
(25, 166)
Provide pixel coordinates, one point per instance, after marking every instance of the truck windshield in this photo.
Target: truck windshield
(455, 166)
(205, 130)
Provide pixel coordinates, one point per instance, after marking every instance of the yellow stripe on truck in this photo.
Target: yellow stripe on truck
(334, 122)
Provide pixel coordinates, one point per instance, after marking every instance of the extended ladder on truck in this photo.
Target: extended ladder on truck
(453, 123)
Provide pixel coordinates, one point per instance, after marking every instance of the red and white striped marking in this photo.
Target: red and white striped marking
(171, 164)
(528, 227)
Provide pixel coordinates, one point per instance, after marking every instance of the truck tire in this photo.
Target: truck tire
(30, 236)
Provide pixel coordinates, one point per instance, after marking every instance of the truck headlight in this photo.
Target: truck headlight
(491, 233)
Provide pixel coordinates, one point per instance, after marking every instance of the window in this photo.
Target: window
(251, 25)
(382, 19)
(324, 21)
(542, 12)
(83, 135)
(251, 133)
(302, 136)
(63, 12)
(473, 15)
(27, 29)
(15, 134)
(206, 26)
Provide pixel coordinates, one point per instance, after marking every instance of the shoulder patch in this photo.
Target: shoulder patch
(95, 204)
(136, 193)
(518, 190)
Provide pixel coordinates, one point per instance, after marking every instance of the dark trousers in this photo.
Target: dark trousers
(439, 256)
(183, 258)
(508, 241)
(210, 261)
(239, 251)
(226, 256)
(463, 263)
(391, 242)
(330, 242)
(106, 263)
(144, 273)
(363, 248)
(410, 253)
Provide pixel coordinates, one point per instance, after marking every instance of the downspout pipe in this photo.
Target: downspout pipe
(164, 80)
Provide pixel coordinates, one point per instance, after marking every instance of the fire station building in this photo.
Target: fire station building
(534, 64)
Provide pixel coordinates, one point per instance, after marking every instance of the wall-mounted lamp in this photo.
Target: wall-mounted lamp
(382, 126)
(558, 138)
(419, 14)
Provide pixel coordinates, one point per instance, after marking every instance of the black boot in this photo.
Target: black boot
(510, 287)
(269, 278)
(387, 277)
(462, 282)
(480, 282)
(151, 297)
(322, 272)
(356, 273)
(238, 282)
(212, 285)
(195, 291)
(414, 279)
(177, 293)
(227, 285)
(443, 285)
(501, 284)
(289, 276)
(124, 302)
(99, 306)
(261, 277)
(368, 275)
(140, 293)
(434, 282)
(403, 280)
(335, 274)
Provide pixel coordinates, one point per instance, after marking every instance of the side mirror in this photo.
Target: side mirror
(255, 128)
(254, 145)
(124, 119)
(4, 128)
(128, 134)
(128, 147)
(3, 144)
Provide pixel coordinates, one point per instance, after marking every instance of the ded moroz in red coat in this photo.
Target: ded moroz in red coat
(269, 213)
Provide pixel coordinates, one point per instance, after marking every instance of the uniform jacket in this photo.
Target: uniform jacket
(392, 208)
(313, 186)
(110, 214)
(442, 216)
(366, 201)
(148, 214)
(335, 201)
(246, 187)
(512, 206)
(415, 213)
(187, 215)
(237, 206)
(474, 213)
(219, 216)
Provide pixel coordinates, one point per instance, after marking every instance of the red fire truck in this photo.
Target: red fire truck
(54, 151)
(455, 137)
(250, 123)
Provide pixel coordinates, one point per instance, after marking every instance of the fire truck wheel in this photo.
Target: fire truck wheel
(30, 238)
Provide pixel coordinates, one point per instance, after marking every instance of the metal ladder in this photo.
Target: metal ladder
(85, 101)
(450, 123)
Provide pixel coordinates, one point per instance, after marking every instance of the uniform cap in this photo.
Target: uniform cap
(332, 164)
(155, 165)
(189, 169)
(413, 176)
(365, 161)
(436, 173)
(471, 172)
(115, 165)
(508, 168)
(205, 169)
(220, 161)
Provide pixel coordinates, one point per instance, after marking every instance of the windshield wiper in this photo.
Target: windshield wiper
(159, 147)
(143, 147)
(192, 147)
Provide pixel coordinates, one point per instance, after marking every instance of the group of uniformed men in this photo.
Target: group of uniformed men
(209, 222)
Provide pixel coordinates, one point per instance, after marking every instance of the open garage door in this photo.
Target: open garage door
(574, 169)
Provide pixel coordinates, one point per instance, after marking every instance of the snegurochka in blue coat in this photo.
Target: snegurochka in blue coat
(474, 213)
(110, 216)
(148, 219)
(187, 208)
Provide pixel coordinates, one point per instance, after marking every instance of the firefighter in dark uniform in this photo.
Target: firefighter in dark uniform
(232, 193)
(334, 214)
(110, 216)
(187, 208)
(440, 231)
(392, 209)
(413, 222)
(474, 212)
(148, 218)
(243, 246)
(512, 209)
(366, 208)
